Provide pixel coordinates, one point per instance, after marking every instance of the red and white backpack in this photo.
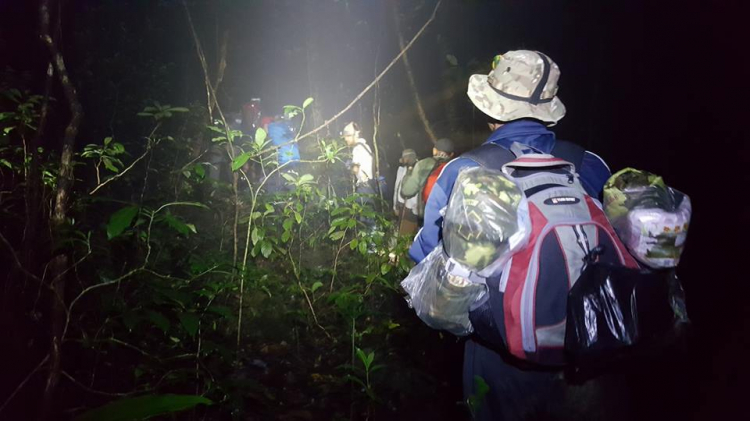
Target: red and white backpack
(527, 306)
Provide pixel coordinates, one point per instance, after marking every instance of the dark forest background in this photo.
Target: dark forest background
(659, 86)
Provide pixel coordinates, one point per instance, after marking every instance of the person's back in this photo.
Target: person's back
(519, 97)
(405, 208)
(415, 182)
(282, 136)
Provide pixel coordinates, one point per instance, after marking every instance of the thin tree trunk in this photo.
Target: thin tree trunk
(30, 244)
(60, 211)
(410, 78)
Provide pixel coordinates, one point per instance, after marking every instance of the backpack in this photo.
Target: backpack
(431, 179)
(527, 306)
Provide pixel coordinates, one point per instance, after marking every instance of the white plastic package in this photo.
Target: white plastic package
(651, 218)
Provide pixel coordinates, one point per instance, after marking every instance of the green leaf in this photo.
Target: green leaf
(285, 236)
(260, 136)
(337, 235)
(341, 210)
(254, 236)
(189, 321)
(269, 209)
(221, 311)
(307, 102)
(288, 223)
(179, 110)
(240, 160)
(178, 225)
(120, 220)
(199, 171)
(362, 248)
(107, 140)
(289, 178)
(361, 355)
(142, 407)
(109, 165)
(266, 248)
(385, 268)
(353, 244)
(159, 320)
(316, 285)
(298, 217)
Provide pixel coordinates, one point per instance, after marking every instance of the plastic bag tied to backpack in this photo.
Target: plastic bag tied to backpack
(485, 222)
(486, 219)
(440, 299)
(650, 217)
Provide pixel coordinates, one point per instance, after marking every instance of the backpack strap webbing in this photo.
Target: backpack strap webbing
(570, 152)
(494, 156)
(490, 155)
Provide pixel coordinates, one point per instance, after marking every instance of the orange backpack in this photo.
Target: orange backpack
(431, 179)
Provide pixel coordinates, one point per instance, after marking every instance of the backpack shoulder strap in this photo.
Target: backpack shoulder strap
(490, 155)
(570, 152)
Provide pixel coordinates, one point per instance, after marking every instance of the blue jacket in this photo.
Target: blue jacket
(281, 134)
(593, 174)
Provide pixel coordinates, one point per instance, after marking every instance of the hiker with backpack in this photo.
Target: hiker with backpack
(405, 209)
(418, 182)
(361, 165)
(512, 330)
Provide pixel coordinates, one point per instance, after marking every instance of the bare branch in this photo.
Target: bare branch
(18, 262)
(90, 390)
(132, 164)
(23, 383)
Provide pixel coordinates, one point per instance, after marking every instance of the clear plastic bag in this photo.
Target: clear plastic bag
(486, 219)
(650, 217)
(443, 300)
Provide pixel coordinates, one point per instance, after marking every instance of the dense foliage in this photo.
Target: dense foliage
(272, 287)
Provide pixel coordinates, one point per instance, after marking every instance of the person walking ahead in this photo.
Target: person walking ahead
(361, 165)
(419, 181)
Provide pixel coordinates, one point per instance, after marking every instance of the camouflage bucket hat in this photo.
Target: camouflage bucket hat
(522, 84)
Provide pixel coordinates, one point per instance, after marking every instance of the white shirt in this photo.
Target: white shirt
(410, 203)
(362, 156)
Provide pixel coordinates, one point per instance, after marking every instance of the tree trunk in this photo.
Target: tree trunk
(32, 195)
(410, 78)
(61, 262)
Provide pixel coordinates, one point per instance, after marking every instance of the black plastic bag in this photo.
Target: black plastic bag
(615, 312)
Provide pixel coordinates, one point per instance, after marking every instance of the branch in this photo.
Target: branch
(18, 262)
(410, 78)
(148, 149)
(23, 383)
(90, 390)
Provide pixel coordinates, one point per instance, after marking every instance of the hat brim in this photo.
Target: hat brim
(506, 109)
